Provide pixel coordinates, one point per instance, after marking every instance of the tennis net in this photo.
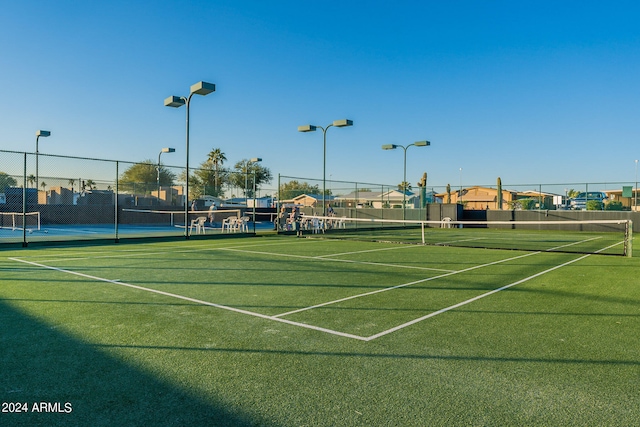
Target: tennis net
(150, 217)
(17, 220)
(612, 237)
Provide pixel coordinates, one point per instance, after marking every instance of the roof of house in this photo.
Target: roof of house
(314, 196)
(376, 195)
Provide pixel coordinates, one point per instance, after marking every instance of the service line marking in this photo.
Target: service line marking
(326, 258)
(403, 285)
(460, 304)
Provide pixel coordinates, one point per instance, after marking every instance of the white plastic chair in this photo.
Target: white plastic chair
(243, 224)
(446, 222)
(317, 225)
(228, 224)
(198, 223)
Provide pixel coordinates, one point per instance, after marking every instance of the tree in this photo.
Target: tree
(197, 186)
(294, 188)
(6, 181)
(89, 184)
(143, 177)
(404, 186)
(206, 177)
(572, 193)
(71, 182)
(31, 179)
(244, 174)
(216, 158)
(43, 185)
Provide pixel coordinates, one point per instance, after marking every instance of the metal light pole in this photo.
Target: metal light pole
(312, 128)
(164, 150)
(404, 182)
(254, 160)
(460, 198)
(200, 88)
(44, 134)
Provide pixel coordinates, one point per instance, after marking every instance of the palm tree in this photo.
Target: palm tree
(404, 186)
(71, 182)
(217, 158)
(43, 185)
(31, 179)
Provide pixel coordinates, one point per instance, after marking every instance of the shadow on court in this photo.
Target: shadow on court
(86, 387)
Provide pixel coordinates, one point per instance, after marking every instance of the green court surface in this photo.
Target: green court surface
(283, 331)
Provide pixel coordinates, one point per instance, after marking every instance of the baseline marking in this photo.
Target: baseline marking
(145, 252)
(197, 301)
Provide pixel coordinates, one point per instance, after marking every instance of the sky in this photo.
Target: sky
(534, 92)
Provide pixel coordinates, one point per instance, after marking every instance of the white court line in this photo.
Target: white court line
(324, 258)
(609, 247)
(457, 241)
(403, 285)
(460, 304)
(576, 243)
(369, 250)
(326, 330)
(197, 301)
(164, 251)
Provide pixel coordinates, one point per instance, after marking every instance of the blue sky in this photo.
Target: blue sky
(535, 92)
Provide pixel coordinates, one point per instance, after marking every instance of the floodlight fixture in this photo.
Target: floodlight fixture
(307, 128)
(174, 101)
(168, 150)
(203, 88)
(343, 123)
(389, 147)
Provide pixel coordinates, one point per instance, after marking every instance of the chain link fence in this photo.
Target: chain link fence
(56, 198)
(53, 198)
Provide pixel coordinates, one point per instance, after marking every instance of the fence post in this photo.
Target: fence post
(24, 201)
(116, 211)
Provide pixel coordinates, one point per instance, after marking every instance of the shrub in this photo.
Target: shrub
(594, 205)
(523, 204)
(613, 205)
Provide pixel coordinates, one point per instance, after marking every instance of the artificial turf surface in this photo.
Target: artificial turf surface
(124, 336)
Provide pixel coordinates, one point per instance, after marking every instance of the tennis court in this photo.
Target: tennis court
(142, 223)
(285, 331)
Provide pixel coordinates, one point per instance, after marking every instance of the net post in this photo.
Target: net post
(628, 239)
(422, 227)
